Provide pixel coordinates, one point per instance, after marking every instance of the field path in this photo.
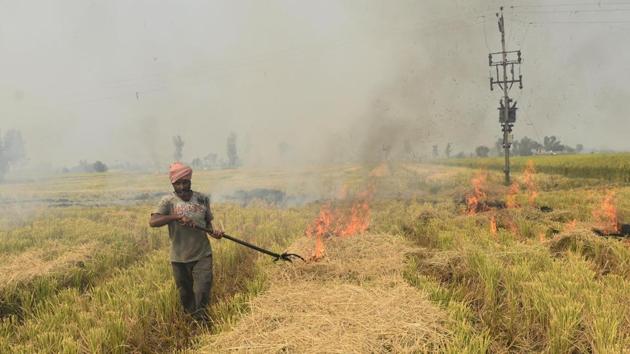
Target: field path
(353, 300)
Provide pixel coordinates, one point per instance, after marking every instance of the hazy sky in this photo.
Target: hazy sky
(115, 80)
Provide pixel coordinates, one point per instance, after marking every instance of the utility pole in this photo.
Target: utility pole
(507, 110)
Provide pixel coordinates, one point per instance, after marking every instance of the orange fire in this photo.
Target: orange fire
(478, 194)
(606, 217)
(570, 226)
(541, 237)
(338, 221)
(381, 170)
(359, 219)
(528, 176)
(493, 226)
(318, 230)
(510, 202)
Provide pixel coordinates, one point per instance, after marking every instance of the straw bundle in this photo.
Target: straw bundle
(353, 300)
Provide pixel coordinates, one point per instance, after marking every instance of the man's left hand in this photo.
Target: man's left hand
(218, 234)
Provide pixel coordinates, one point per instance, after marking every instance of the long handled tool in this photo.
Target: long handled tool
(284, 256)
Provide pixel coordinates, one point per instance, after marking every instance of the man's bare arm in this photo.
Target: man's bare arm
(158, 220)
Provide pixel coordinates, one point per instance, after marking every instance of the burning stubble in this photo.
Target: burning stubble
(606, 217)
(474, 200)
(345, 217)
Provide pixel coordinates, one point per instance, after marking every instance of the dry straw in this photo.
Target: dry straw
(354, 300)
(30, 264)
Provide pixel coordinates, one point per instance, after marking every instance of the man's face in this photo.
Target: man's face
(182, 187)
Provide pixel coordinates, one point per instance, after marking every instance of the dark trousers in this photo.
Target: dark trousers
(194, 282)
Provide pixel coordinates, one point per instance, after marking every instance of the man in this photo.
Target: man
(191, 254)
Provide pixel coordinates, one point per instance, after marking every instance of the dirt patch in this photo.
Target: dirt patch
(353, 300)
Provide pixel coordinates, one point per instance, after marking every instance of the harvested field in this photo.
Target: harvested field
(421, 272)
(354, 300)
(27, 265)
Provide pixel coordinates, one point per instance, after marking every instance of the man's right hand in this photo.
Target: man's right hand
(186, 221)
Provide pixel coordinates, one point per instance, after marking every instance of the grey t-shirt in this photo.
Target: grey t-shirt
(187, 244)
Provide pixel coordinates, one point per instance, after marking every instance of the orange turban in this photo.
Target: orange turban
(178, 171)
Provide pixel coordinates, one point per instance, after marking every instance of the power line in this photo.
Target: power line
(572, 11)
(576, 22)
(597, 4)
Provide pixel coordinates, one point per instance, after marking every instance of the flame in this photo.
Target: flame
(510, 202)
(320, 248)
(478, 194)
(339, 221)
(541, 237)
(359, 220)
(318, 230)
(570, 226)
(493, 226)
(528, 176)
(606, 217)
(380, 171)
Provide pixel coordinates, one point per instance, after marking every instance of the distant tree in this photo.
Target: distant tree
(232, 154)
(579, 148)
(100, 167)
(552, 144)
(516, 147)
(526, 146)
(448, 150)
(179, 146)
(460, 155)
(84, 166)
(13, 147)
(210, 160)
(408, 150)
(4, 162)
(482, 151)
(12, 151)
(435, 153)
(386, 148)
(197, 163)
(283, 148)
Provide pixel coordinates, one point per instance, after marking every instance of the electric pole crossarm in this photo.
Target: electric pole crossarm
(509, 62)
(506, 81)
(507, 52)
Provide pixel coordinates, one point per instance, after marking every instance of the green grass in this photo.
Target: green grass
(515, 293)
(608, 167)
(71, 248)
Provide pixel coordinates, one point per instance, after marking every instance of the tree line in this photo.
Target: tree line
(523, 147)
(211, 160)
